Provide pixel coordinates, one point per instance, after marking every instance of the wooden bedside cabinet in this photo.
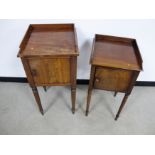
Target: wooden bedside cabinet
(115, 65)
(49, 56)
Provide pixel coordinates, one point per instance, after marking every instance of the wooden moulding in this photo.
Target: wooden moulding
(138, 54)
(25, 40)
(36, 32)
(109, 51)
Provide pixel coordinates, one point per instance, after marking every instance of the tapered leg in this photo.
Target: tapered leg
(36, 95)
(115, 94)
(122, 105)
(73, 81)
(73, 98)
(92, 73)
(88, 100)
(45, 89)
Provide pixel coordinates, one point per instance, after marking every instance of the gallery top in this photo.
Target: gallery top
(49, 40)
(116, 52)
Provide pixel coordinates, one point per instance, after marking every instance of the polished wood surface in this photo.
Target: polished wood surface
(90, 88)
(49, 56)
(115, 52)
(49, 40)
(116, 63)
(32, 84)
(112, 79)
(73, 81)
(50, 71)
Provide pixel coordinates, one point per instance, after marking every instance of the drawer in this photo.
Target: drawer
(112, 79)
(54, 71)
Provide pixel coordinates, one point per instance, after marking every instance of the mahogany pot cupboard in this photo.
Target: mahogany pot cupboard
(115, 65)
(49, 56)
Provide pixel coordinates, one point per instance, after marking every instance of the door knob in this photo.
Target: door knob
(97, 80)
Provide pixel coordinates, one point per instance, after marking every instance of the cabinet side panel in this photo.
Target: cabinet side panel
(28, 71)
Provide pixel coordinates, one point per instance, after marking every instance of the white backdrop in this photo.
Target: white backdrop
(12, 32)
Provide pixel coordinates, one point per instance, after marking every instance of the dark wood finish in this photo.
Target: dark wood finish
(116, 52)
(112, 79)
(36, 95)
(32, 84)
(49, 56)
(49, 40)
(90, 88)
(50, 71)
(116, 64)
(121, 106)
(73, 82)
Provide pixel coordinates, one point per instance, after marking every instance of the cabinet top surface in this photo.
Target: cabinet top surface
(116, 52)
(49, 40)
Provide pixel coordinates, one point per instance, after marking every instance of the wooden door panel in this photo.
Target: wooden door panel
(112, 79)
(54, 71)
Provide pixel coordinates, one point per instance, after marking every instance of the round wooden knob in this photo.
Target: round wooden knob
(97, 80)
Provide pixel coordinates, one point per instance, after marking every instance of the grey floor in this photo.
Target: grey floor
(19, 113)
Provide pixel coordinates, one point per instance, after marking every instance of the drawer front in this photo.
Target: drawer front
(112, 79)
(54, 71)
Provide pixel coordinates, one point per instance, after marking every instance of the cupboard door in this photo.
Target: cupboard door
(54, 71)
(112, 79)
